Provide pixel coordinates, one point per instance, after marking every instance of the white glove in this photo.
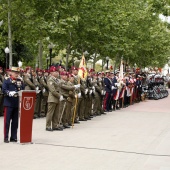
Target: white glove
(103, 92)
(79, 95)
(112, 87)
(90, 92)
(86, 91)
(93, 88)
(37, 88)
(12, 93)
(77, 86)
(61, 98)
(44, 90)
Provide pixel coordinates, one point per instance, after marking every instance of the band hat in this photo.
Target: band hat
(15, 69)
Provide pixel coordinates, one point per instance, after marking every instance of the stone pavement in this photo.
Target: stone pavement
(134, 138)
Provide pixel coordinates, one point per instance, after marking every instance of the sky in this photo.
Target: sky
(164, 18)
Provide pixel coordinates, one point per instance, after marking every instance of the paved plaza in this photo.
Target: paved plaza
(134, 138)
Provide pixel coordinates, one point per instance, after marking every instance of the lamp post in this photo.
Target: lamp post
(107, 62)
(19, 64)
(60, 62)
(7, 53)
(50, 47)
(86, 53)
(47, 61)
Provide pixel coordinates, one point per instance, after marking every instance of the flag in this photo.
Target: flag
(121, 70)
(82, 72)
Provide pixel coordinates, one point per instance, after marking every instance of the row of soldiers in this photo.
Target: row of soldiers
(65, 99)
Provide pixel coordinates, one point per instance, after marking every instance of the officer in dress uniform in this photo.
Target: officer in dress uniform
(114, 90)
(107, 98)
(10, 88)
(1, 94)
(39, 75)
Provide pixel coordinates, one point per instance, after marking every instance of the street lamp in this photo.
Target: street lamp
(107, 62)
(47, 61)
(86, 53)
(7, 53)
(19, 64)
(50, 47)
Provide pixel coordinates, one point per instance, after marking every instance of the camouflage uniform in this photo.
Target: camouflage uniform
(52, 117)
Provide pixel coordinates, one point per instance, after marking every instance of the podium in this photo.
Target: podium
(27, 102)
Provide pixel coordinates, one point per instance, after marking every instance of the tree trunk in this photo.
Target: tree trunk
(9, 34)
(67, 56)
(40, 53)
(94, 61)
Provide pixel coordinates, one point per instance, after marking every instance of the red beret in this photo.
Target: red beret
(63, 73)
(70, 75)
(74, 68)
(95, 75)
(46, 71)
(8, 69)
(53, 69)
(39, 70)
(27, 68)
(91, 70)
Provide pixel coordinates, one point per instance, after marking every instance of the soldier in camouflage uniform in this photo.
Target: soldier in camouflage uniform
(65, 89)
(54, 97)
(74, 72)
(45, 92)
(38, 95)
(82, 104)
(102, 90)
(96, 96)
(28, 79)
(89, 94)
(71, 100)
